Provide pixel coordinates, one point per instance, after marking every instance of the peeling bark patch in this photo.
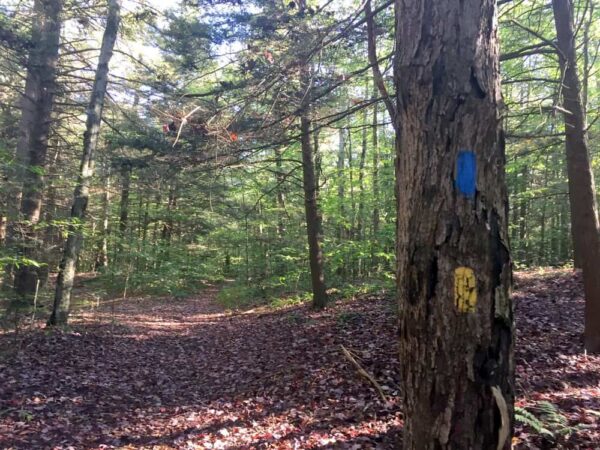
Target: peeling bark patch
(465, 290)
(466, 173)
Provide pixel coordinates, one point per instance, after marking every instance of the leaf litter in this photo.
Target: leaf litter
(185, 374)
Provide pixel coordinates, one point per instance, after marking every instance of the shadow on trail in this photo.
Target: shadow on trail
(160, 374)
(184, 374)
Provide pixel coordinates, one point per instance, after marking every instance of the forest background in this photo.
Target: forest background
(199, 170)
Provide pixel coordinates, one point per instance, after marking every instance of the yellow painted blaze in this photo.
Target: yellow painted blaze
(465, 289)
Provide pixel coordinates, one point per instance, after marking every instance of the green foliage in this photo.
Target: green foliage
(167, 271)
(18, 261)
(240, 296)
(527, 418)
(551, 423)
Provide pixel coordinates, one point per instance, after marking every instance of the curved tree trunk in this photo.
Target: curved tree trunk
(66, 274)
(582, 193)
(454, 271)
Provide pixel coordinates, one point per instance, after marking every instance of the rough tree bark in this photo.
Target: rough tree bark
(582, 194)
(454, 271)
(66, 274)
(32, 146)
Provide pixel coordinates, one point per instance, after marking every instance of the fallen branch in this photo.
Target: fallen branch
(364, 373)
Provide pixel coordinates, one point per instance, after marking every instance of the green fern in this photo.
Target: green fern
(525, 417)
(551, 423)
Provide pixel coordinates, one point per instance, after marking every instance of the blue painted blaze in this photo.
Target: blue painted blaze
(466, 173)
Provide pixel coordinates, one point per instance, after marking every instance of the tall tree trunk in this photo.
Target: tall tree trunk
(341, 183)
(168, 226)
(361, 176)
(280, 179)
(375, 175)
(312, 217)
(454, 275)
(376, 162)
(565, 243)
(126, 168)
(351, 229)
(52, 233)
(318, 159)
(582, 194)
(313, 220)
(66, 273)
(523, 247)
(542, 259)
(586, 52)
(32, 146)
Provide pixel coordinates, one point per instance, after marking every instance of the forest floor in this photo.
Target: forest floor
(150, 373)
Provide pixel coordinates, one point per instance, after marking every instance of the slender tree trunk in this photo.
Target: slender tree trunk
(312, 218)
(514, 235)
(169, 224)
(318, 160)
(66, 274)
(279, 178)
(582, 194)
(542, 253)
(341, 183)
(565, 235)
(102, 255)
(145, 223)
(352, 227)
(361, 177)
(454, 275)
(376, 162)
(32, 146)
(375, 175)
(542, 260)
(586, 52)
(523, 247)
(124, 205)
(554, 234)
(51, 240)
(3, 222)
